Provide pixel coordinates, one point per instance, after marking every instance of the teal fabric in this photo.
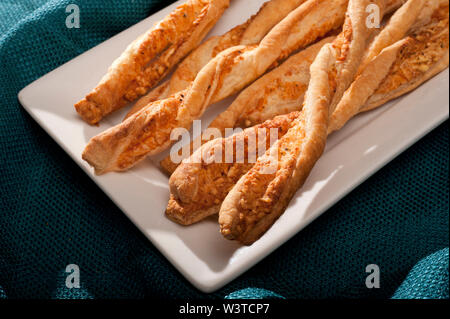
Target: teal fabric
(254, 293)
(428, 279)
(52, 214)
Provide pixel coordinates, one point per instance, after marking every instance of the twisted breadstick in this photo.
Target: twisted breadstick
(198, 187)
(426, 45)
(200, 184)
(399, 24)
(148, 131)
(149, 58)
(191, 186)
(262, 194)
(428, 10)
(246, 214)
(278, 92)
(250, 32)
(425, 55)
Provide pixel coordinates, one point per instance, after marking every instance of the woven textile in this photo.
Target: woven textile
(428, 279)
(52, 214)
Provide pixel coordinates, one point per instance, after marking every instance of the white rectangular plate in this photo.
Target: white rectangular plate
(199, 252)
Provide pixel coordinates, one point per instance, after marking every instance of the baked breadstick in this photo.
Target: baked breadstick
(191, 196)
(284, 87)
(392, 5)
(428, 10)
(150, 57)
(250, 32)
(282, 92)
(201, 182)
(148, 131)
(198, 187)
(364, 85)
(426, 54)
(278, 92)
(158, 93)
(251, 206)
(400, 23)
(398, 69)
(262, 194)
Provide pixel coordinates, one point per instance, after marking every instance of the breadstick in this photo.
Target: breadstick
(190, 185)
(425, 56)
(250, 32)
(278, 92)
(400, 22)
(284, 87)
(245, 217)
(199, 185)
(262, 195)
(401, 67)
(148, 131)
(150, 57)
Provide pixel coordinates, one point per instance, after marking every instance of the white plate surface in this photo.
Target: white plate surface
(199, 252)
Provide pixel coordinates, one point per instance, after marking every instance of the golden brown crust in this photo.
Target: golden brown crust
(397, 27)
(425, 55)
(377, 100)
(200, 183)
(193, 186)
(430, 9)
(189, 68)
(325, 18)
(223, 76)
(249, 207)
(349, 47)
(392, 5)
(197, 190)
(364, 86)
(153, 96)
(376, 66)
(262, 195)
(119, 147)
(186, 214)
(249, 33)
(278, 92)
(150, 57)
